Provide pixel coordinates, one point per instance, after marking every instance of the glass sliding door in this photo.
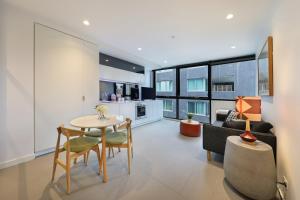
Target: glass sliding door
(169, 107)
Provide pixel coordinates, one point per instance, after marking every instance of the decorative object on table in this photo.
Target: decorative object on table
(190, 129)
(248, 136)
(265, 69)
(248, 108)
(101, 111)
(190, 117)
(256, 174)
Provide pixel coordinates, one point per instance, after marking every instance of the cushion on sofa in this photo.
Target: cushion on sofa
(232, 114)
(235, 124)
(262, 127)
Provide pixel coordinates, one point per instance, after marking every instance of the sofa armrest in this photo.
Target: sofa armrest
(214, 138)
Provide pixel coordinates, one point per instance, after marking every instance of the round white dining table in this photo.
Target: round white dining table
(92, 121)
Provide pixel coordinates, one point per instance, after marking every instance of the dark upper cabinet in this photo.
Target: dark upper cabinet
(111, 61)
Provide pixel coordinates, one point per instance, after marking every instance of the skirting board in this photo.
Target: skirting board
(16, 161)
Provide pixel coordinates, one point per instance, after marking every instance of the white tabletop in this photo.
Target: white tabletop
(92, 121)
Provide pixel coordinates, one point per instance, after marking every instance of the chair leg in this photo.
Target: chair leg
(113, 152)
(129, 158)
(208, 155)
(87, 157)
(84, 158)
(119, 149)
(75, 161)
(99, 159)
(109, 148)
(54, 164)
(68, 173)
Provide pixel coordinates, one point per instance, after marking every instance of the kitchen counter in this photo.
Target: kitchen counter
(153, 110)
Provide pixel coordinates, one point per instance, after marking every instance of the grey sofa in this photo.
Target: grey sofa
(215, 135)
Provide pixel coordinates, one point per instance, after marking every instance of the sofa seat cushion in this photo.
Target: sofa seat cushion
(81, 144)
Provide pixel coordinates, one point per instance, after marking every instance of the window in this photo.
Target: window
(164, 86)
(234, 79)
(193, 81)
(197, 108)
(165, 82)
(168, 105)
(196, 85)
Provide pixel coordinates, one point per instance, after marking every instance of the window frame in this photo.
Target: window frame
(209, 64)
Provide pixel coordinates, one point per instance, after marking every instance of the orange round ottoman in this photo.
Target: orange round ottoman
(190, 129)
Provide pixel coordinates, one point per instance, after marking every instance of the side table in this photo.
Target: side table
(190, 129)
(250, 168)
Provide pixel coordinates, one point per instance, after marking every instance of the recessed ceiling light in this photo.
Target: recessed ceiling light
(139, 49)
(229, 16)
(106, 60)
(165, 61)
(233, 47)
(86, 22)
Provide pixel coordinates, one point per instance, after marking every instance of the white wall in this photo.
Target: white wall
(283, 109)
(16, 89)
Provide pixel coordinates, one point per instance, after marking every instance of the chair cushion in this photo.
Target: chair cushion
(97, 132)
(80, 144)
(118, 137)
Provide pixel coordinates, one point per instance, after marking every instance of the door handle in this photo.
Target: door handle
(83, 98)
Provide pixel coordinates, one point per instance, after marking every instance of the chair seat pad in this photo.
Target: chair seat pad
(116, 138)
(97, 132)
(81, 144)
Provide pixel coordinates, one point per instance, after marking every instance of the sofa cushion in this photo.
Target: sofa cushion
(235, 124)
(262, 127)
(232, 114)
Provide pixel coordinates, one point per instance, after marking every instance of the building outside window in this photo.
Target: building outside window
(197, 108)
(233, 79)
(196, 85)
(168, 105)
(164, 86)
(223, 87)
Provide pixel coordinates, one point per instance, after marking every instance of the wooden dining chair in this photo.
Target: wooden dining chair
(122, 139)
(75, 146)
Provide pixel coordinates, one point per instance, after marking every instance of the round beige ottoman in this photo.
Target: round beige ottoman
(250, 168)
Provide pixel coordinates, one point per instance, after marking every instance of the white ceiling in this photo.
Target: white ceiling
(199, 26)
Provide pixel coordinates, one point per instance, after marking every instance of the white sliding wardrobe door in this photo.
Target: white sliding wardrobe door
(58, 83)
(90, 74)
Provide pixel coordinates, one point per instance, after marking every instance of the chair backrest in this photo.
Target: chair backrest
(127, 125)
(69, 132)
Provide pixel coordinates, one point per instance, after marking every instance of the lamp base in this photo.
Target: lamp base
(248, 137)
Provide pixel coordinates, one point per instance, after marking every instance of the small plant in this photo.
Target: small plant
(189, 116)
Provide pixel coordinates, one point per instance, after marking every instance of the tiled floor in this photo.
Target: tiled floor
(165, 166)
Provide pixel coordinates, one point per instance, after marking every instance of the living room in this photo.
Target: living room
(198, 100)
